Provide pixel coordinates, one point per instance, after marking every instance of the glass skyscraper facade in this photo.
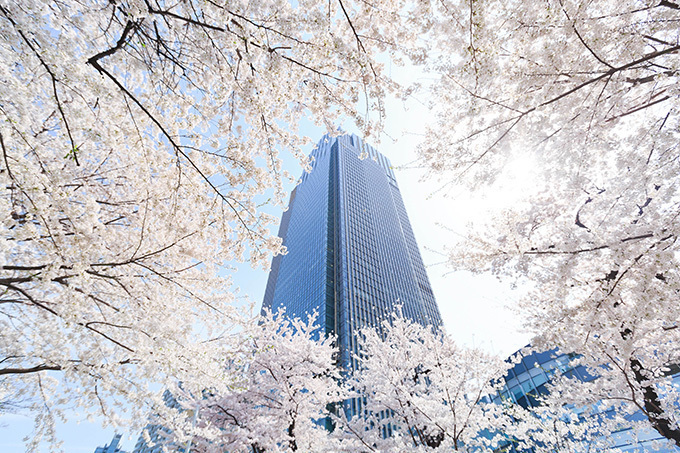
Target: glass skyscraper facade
(352, 255)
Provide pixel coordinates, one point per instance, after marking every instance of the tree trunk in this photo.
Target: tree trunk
(656, 415)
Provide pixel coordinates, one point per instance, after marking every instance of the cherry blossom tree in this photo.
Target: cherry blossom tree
(416, 390)
(282, 383)
(587, 92)
(139, 140)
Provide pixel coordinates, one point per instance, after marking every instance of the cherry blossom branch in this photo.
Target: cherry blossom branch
(590, 249)
(93, 61)
(74, 148)
(248, 41)
(493, 145)
(360, 45)
(264, 27)
(352, 431)
(578, 35)
(182, 18)
(175, 282)
(516, 119)
(45, 367)
(650, 104)
(669, 4)
(4, 155)
(53, 312)
(614, 70)
(479, 96)
(35, 369)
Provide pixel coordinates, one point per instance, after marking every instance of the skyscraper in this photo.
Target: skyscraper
(352, 255)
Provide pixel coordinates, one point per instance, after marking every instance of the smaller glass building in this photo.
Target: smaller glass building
(112, 447)
(528, 379)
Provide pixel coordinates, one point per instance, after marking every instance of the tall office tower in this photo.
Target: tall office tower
(352, 255)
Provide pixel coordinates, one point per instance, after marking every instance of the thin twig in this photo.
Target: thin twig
(74, 148)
